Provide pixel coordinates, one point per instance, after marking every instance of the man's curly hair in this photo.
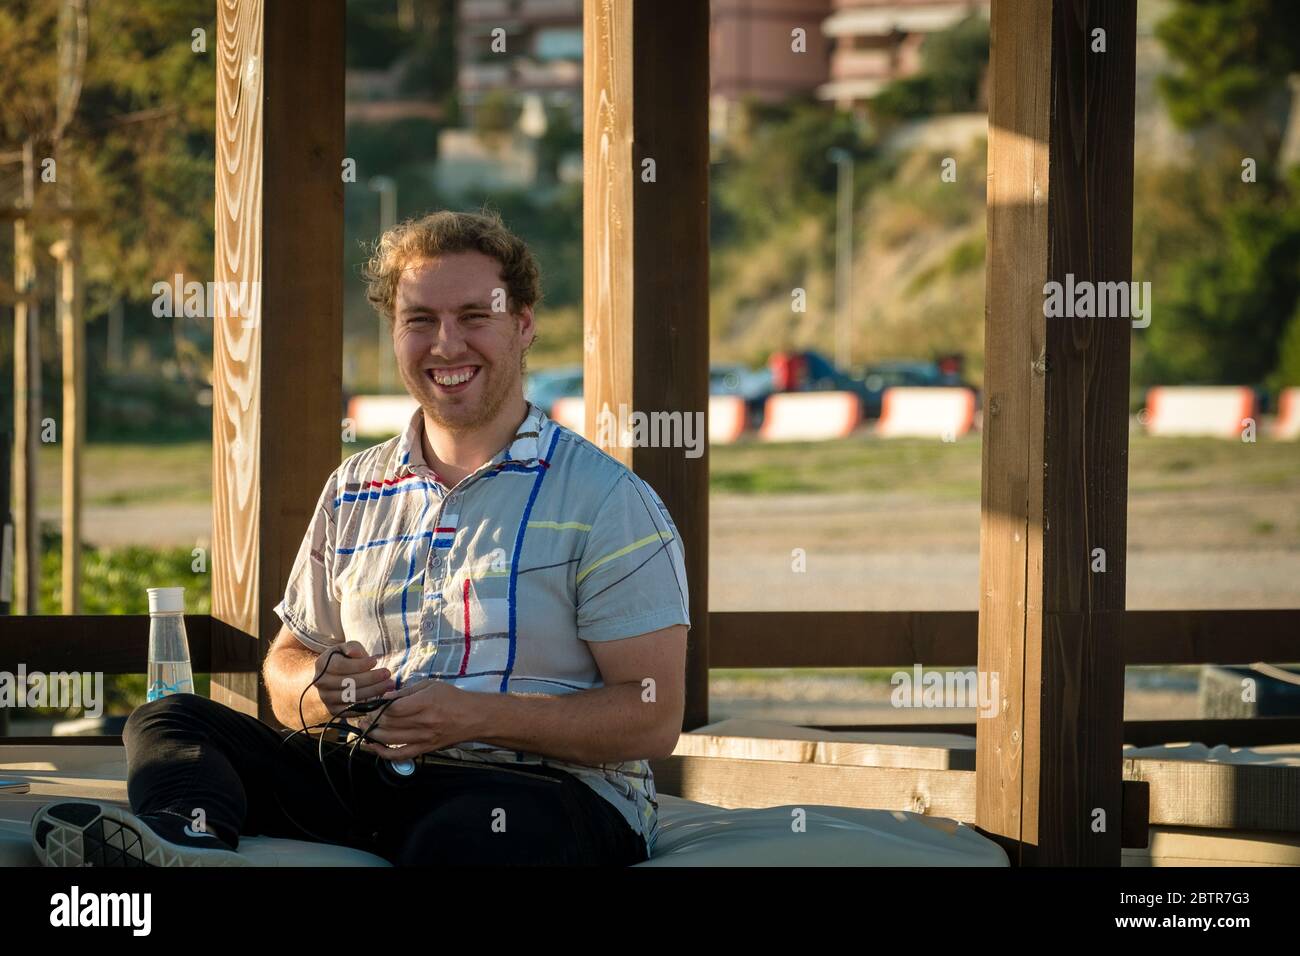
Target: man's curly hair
(447, 232)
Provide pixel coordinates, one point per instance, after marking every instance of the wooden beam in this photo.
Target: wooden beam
(1054, 483)
(1135, 815)
(1211, 637)
(1189, 793)
(646, 259)
(843, 753)
(277, 367)
(735, 782)
(106, 740)
(842, 638)
(109, 643)
(851, 639)
(1235, 732)
(951, 638)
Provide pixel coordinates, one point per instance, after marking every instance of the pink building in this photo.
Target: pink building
(875, 41)
(752, 48)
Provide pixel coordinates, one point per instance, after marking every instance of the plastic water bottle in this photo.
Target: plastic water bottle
(169, 651)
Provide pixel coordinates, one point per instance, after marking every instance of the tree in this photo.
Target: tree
(138, 154)
(1234, 284)
(1231, 61)
(950, 80)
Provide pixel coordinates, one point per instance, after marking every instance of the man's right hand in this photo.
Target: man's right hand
(346, 675)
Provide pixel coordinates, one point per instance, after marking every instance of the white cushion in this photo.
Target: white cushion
(696, 834)
(693, 834)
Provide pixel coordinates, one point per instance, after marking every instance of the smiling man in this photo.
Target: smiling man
(498, 606)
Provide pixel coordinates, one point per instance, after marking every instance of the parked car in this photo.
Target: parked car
(876, 378)
(544, 386)
(753, 385)
(810, 371)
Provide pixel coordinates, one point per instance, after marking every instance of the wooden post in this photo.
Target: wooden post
(646, 257)
(1055, 468)
(27, 399)
(71, 320)
(277, 365)
(73, 36)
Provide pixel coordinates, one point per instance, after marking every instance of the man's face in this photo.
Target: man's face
(445, 330)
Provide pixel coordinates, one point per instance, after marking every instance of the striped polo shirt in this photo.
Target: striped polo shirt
(496, 584)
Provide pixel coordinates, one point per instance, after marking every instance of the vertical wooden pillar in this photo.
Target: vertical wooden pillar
(72, 321)
(1055, 468)
(277, 365)
(646, 257)
(27, 399)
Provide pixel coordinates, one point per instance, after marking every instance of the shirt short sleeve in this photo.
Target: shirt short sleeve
(631, 578)
(310, 608)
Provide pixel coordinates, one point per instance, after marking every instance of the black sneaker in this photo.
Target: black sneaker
(86, 833)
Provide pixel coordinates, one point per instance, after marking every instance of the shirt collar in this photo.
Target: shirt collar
(525, 448)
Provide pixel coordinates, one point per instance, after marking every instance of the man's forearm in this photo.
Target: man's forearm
(603, 725)
(287, 672)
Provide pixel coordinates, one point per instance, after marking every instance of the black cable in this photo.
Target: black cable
(320, 755)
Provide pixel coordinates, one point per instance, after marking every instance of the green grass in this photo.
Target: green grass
(941, 469)
(131, 473)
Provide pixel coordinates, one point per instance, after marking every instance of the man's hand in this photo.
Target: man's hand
(423, 717)
(346, 675)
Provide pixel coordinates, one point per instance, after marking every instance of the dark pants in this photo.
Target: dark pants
(186, 752)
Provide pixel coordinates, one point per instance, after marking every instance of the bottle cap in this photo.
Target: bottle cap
(166, 600)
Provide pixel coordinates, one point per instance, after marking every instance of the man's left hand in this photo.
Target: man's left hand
(423, 717)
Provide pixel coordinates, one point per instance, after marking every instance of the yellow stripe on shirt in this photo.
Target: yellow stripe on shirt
(648, 539)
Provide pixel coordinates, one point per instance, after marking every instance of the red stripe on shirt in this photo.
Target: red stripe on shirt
(464, 663)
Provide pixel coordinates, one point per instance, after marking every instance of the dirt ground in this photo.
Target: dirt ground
(845, 700)
(1190, 549)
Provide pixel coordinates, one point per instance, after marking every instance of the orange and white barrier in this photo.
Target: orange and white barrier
(943, 413)
(1287, 427)
(1213, 411)
(571, 412)
(727, 418)
(374, 415)
(810, 416)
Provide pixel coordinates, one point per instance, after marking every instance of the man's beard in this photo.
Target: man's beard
(497, 387)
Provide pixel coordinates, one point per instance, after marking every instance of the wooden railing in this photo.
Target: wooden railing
(950, 638)
(118, 644)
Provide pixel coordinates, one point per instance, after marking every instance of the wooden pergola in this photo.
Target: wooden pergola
(1054, 487)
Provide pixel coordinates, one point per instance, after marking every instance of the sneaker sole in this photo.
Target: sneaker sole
(84, 833)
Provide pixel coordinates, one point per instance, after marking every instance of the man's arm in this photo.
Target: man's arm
(637, 714)
(291, 666)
